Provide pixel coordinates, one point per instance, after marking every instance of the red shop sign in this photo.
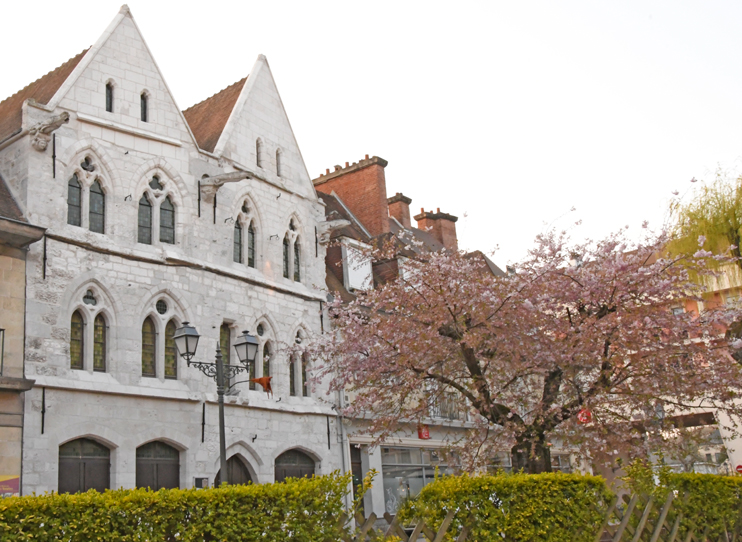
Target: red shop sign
(423, 432)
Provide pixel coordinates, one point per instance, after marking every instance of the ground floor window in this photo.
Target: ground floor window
(84, 464)
(561, 462)
(406, 471)
(158, 466)
(294, 464)
(237, 472)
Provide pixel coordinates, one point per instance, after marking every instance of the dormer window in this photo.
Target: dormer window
(109, 97)
(356, 266)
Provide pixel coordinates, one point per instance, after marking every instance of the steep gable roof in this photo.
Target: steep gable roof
(8, 206)
(208, 118)
(42, 90)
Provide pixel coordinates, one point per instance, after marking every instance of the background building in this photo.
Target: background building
(144, 232)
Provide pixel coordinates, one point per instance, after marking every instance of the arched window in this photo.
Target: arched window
(74, 202)
(237, 247)
(237, 472)
(155, 184)
(77, 340)
(259, 153)
(149, 339)
(293, 464)
(292, 376)
(297, 261)
(109, 97)
(225, 340)
(304, 367)
(83, 464)
(267, 359)
(250, 246)
(99, 343)
(278, 162)
(97, 211)
(171, 353)
(143, 106)
(158, 466)
(167, 221)
(144, 221)
(286, 257)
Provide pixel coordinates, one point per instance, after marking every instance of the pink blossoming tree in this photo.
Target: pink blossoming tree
(528, 353)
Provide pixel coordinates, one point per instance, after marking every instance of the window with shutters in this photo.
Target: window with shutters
(74, 202)
(83, 465)
(99, 343)
(144, 221)
(149, 344)
(97, 211)
(77, 341)
(158, 466)
(171, 352)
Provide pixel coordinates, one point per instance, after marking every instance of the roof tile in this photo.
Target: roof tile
(208, 118)
(42, 90)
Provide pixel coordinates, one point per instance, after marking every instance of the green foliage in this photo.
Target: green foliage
(715, 213)
(707, 501)
(302, 510)
(552, 507)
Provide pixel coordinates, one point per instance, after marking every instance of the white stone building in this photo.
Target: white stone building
(98, 153)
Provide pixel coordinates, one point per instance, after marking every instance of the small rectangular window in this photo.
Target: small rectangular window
(109, 97)
(2, 350)
(143, 106)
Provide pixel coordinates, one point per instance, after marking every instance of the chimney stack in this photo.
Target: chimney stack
(399, 208)
(442, 226)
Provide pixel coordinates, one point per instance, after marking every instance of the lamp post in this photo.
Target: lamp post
(186, 341)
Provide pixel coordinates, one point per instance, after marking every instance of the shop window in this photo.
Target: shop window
(405, 471)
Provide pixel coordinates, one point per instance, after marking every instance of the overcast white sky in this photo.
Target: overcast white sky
(506, 114)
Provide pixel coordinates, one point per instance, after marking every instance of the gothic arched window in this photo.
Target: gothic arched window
(149, 339)
(109, 97)
(304, 367)
(144, 221)
(237, 247)
(167, 221)
(143, 107)
(250, 246)
(99, 343)
(267, 359)
(286, 257)
(77, 340)
(97, 211)
(171, 354)
(74, 202)
(297, 261)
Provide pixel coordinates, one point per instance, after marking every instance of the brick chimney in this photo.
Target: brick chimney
(362, 187)
(399, 208)
(442, 226)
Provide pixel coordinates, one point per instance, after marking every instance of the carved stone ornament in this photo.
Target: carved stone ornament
(211, 185)
(325, 229)
(41, 133)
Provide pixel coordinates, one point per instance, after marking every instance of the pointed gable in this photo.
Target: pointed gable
(42, 90)
(208, 118)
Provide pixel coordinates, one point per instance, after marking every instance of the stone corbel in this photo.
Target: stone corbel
(325, 229)
(211, 185)
(41, 133)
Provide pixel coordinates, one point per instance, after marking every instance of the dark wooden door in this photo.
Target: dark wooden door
(84, 464)
(293, 464)
(158, 466)
(238, 473)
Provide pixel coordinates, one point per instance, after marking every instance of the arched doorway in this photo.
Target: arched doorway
(293, 464)
(84, 464)
(238, 473)
(158, 466)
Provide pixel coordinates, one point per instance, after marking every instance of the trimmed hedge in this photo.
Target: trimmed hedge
(552, 507)
(714, 501)
(303, 510)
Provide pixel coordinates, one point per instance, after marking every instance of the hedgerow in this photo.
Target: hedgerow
(551, 507)
(303, 510)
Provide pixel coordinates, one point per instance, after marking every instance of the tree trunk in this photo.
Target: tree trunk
(531, 454)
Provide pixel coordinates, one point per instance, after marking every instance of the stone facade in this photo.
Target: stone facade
(112, 278)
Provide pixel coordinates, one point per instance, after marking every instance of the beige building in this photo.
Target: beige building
(16, 234)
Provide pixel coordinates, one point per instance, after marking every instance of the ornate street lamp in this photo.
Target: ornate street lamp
(186, 341)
